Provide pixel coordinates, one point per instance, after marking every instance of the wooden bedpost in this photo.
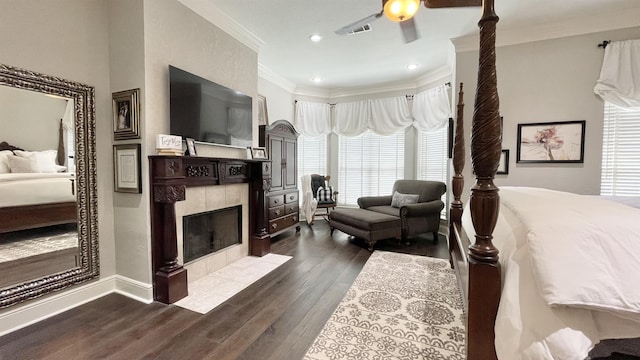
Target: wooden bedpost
(457, 183)
(486, 146)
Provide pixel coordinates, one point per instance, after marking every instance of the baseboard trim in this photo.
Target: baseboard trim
(31, 312)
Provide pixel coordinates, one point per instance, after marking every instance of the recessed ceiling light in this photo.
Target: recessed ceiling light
(412, 66)
(317, 79)
(315, 37)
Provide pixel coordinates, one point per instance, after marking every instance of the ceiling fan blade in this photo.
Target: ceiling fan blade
(358, 24)
(451, 3)
(409, 30)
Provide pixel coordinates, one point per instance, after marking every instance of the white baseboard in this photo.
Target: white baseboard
(31, 312)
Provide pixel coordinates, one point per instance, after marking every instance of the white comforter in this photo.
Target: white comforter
(571, 266)
(35, 188)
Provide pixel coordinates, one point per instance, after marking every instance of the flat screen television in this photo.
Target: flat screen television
(208, 112)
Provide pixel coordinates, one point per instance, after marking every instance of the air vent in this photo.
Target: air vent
(364, 28)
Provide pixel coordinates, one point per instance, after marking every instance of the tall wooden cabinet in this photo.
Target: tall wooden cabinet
(281, 141)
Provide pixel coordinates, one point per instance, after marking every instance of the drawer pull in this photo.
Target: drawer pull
(274, 226)
(277, 212)
(294, 219)
(275, 201)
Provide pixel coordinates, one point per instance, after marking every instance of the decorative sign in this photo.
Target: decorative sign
(169, 145)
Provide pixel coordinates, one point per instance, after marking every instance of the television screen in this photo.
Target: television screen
(208, 112)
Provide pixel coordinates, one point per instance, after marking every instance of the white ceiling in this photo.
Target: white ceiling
(380, 57)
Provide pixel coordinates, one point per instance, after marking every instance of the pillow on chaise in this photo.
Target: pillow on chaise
(400, 199)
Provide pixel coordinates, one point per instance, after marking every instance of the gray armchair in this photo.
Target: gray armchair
(415, 218)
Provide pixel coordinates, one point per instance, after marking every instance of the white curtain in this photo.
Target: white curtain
(382, 116)
(351, 118)
(431, 109)
(619, 81)
(312, 119)
(389, 115)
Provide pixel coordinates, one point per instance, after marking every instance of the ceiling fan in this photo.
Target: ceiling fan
(402, 11)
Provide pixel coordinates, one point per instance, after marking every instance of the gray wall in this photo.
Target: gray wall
(545, 81)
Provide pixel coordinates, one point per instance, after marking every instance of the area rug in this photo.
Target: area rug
(206, 293)
(36, 245)
(399, 307)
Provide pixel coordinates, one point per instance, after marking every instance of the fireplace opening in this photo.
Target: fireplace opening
(211, 231)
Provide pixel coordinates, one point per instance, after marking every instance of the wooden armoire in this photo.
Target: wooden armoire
(281, 142)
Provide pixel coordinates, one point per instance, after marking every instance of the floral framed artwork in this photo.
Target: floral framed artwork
(126, 164)
(503, 165)
(551, 142)
(126, 112)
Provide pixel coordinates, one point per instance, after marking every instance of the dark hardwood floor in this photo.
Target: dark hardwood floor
(278, 317)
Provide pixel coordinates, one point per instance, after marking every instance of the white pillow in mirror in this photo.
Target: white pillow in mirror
(21, 164)
(46, 159)
(4, 161)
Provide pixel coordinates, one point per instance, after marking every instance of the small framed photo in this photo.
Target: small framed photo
(258, 153)
(503, 166)
(551, 142)
(126, 111)
(191, 147)
(126, 164)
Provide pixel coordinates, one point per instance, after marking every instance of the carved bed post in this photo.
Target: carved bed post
(484, 268)
(457, 183)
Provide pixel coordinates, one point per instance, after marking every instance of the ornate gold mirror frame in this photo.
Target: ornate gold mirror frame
(87, 264)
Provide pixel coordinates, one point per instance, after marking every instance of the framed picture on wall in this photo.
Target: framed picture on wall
(503, 166)
(126, 110)
(126, 164)
(263, 115)
(551, 142)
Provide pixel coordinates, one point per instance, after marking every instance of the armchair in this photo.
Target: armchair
(323, 193)
(416, 202)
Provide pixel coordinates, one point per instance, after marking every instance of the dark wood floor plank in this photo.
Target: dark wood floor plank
(278, 317)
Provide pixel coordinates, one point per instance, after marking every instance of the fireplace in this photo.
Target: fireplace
(211, 231)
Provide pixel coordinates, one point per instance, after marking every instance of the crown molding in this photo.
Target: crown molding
(214, 15)
(569, 27)
(442, 73)
(272, 77)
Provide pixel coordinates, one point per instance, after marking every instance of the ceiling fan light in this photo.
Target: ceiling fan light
(400, 10)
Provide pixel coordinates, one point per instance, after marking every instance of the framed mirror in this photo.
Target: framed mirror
(48, 191)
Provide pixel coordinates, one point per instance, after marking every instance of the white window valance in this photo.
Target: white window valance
(619, 81)
(381, 116)
(312, 119)
(431, 109)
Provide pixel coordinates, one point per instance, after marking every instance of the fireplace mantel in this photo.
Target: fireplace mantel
(170, 176)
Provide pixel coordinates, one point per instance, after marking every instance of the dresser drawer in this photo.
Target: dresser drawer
(276, 200)
(282, 223)
(291, 197)
(276, 212)
(291, 208)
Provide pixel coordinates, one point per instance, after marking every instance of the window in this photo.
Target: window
(432, 158)
(312, 155)
(369, 164)
(620, 151)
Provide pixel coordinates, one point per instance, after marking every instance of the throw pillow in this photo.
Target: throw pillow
(4, 161)
(400, 199)
(46, 159)
(325, 196)
(20, 164)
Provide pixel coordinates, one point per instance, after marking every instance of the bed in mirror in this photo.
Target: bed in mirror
(48, 210)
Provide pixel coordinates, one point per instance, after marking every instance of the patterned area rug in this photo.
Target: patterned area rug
(399, 307)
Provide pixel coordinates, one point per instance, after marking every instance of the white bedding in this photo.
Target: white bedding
(18, 189)
(583, 289)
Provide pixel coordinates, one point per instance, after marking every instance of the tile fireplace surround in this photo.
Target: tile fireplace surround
(207, 198)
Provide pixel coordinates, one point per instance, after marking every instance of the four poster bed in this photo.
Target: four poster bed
(548, 274)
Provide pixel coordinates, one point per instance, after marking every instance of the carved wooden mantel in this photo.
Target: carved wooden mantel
(170, 176)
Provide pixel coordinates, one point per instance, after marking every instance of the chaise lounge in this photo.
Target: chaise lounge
(414, 208)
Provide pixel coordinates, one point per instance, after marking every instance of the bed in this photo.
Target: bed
(35, 191)
(517, 306)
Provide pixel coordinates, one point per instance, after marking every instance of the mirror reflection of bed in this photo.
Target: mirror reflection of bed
(38, 211)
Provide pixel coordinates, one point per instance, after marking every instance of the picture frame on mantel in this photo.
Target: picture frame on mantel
(126, 168)
(126, 112)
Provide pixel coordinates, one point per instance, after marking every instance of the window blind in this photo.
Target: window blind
(620, 151)
(432, 158)
(312, 155)
(369, 165)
